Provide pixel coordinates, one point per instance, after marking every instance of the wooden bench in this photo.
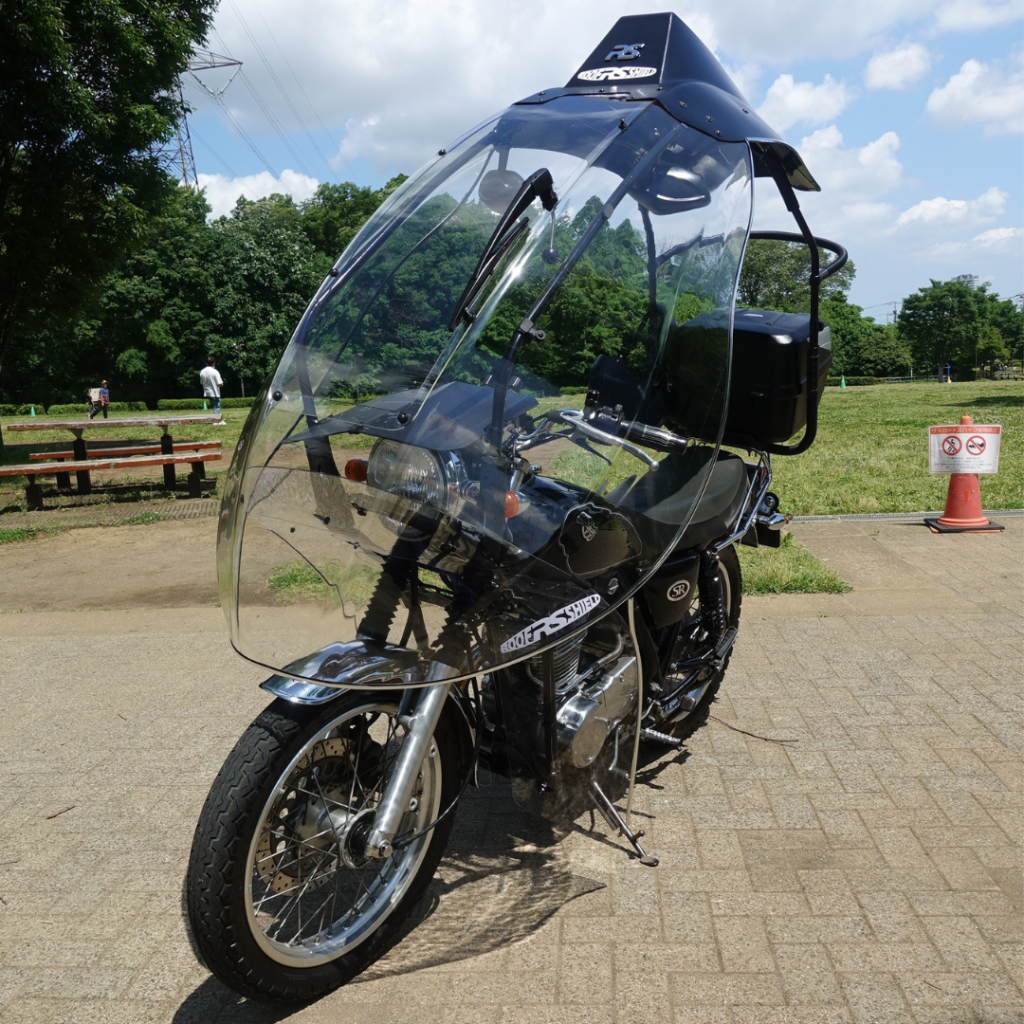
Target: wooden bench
(34, 492)
(64, 479)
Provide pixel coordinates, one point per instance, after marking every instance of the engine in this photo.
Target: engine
(592, 701)
(588, 717)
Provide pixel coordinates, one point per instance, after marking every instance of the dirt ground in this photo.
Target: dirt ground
(156, 565)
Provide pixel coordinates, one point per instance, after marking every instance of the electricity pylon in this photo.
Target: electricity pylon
(176, 153)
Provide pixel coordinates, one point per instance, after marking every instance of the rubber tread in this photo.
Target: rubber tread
(213, 896)
(699, 715)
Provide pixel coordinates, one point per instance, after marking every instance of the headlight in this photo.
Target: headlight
(415, 474)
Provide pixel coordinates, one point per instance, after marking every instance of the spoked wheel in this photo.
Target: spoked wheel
(282, 902)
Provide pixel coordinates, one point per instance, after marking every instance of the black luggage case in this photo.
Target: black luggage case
(768, 388)
(769, 385)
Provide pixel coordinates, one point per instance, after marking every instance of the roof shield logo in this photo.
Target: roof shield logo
(625, 51)
(551, 624)
(614, 74)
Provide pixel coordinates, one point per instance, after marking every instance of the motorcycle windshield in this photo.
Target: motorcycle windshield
(497, 417)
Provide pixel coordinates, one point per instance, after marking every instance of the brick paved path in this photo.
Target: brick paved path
(866, 870)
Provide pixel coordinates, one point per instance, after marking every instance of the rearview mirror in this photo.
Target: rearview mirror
(498, 188)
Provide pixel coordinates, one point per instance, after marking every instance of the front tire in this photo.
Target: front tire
(280, 903)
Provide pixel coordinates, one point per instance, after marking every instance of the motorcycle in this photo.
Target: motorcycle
(483, 568)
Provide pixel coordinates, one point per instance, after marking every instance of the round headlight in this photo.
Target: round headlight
(408, 472)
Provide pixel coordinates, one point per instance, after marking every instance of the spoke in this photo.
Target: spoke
(298, 897)
(303, 884)
(282, 914)
(355, 767)
(314, 880)
(297, 842)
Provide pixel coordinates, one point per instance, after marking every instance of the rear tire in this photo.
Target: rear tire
(732, 581)
(280, 907)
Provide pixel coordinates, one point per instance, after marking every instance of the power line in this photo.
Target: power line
(280, 86)
(227, 167)
(235, 124)
(273, 122)
(281, 89)
(305, 95)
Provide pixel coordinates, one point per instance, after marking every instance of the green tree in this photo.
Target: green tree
(157, 306)
(776, 275)
(332, 217)
(880, 352)
(86, 91)
(265, 270)
(944, 323)
(1006, 317)
(849, 330)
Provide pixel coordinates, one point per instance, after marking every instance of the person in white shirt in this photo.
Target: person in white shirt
(212, 382)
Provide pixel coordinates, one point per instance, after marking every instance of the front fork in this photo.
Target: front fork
(420, 726)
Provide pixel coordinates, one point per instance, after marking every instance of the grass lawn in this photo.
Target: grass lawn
(871, 453)
(788, 569)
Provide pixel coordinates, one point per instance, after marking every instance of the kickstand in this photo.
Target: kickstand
(612, 816)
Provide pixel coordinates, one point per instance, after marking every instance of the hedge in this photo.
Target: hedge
(7, 409)
(197, 403)
(80, 407)
(854, 382)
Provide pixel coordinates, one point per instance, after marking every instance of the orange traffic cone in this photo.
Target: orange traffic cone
(963, 506)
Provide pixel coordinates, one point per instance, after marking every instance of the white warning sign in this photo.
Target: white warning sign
(964, 448)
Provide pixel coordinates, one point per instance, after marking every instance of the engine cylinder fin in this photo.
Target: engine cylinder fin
(566, 660)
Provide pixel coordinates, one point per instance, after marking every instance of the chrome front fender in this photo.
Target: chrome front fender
(367, 668)
(352, 666)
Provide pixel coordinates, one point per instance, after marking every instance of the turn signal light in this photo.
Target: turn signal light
(511, 504)
(355, 469)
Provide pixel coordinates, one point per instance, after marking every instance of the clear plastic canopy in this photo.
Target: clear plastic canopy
(499, 412)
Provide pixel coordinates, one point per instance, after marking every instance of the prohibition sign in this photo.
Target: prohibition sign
(975, 445)
(951, 445)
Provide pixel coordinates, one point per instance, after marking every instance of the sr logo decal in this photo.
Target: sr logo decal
(678, 590)
(615, 74)
(551, 624)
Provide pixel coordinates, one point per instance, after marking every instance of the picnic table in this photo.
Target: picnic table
(78, 428)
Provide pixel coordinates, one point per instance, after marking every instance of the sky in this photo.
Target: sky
(909, 113)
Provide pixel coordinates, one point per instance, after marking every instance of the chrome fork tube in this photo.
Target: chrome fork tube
(415, 748)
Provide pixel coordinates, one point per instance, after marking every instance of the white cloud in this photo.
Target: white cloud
(994, 242)
(222, 192)
(856, 175)
(942, 211)
(981, 94)
(974, 15)
(427, 69)
(789, 102)
(898, 68)
(745, 76)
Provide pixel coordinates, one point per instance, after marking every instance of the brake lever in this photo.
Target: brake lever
(574, 418)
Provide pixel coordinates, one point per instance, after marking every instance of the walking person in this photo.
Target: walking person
(103, 403)
(212, 383)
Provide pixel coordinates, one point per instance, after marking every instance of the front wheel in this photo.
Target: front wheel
(281, 903)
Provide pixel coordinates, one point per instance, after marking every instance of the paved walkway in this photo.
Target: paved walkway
(859, 863)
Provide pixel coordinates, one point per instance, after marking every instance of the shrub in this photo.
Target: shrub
(9, 409)
(80, 407)
(193, 404)
(853, 382)
(575, 390)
